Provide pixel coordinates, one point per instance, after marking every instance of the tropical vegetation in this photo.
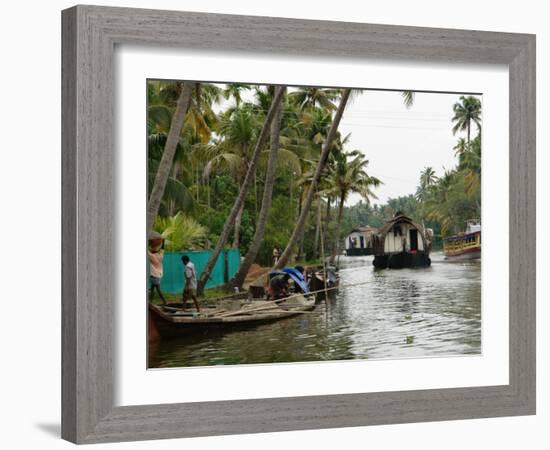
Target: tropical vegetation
(257, 167)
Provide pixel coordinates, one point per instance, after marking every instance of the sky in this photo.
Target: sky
(399, 142)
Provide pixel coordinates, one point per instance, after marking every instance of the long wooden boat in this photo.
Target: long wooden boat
(316, 279)
(464, 246)
(171, 321)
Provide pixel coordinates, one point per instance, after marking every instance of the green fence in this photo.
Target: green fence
(226, 266)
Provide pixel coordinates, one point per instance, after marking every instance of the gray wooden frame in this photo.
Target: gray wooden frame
(89, 36)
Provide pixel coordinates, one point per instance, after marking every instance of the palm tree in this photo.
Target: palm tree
(311, 97)
(165, 165)
(230, 222)
(427, 177)
(314, 121)
(408, 98)
(299, 228)
(240, 276)
(162, 99)
(466, 111)
(349, 175)
(180, 232)
(239, 131)
(235, 90)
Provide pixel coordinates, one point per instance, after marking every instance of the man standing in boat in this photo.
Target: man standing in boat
(156, 255)
(190, 276)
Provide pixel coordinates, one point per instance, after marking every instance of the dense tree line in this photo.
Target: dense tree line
(258, 167)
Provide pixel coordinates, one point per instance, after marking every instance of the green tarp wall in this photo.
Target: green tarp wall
(172, 280)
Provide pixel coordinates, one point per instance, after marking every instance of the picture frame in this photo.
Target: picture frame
(89, 37)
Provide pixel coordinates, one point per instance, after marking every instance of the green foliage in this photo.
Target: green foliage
(180, 232)
(278, 229)
(214, 151)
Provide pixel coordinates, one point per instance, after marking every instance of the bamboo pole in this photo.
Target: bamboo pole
(324, 266)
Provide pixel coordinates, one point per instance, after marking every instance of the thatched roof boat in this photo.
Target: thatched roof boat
(231, 314)
(402, 243)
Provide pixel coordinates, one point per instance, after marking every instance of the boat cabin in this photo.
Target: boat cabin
(465, 245)
(402, 243)
(360, 241)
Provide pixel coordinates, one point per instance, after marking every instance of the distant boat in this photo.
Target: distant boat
(401, 243)
(464, 246)
(171, 321)
(360, 241)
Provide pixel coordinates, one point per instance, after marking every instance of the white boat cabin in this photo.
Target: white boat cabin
(401, 234)
(360, 241)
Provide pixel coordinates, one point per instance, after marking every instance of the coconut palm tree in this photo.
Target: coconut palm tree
(315, 118)
(238, 133)
(200, 119)
(299, 228)
(235, 90)
(165, 165)
(427, 179)
(239, 201)
(466, 111)
(252, 252)
(408, 98)
(311, 97)
(349, 175)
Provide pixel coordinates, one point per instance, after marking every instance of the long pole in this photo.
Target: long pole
(324, 264)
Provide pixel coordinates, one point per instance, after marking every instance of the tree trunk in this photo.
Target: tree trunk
(279, 91)
(300, 240)
(298, 230)
(240, 276)
(237, 229)
(163, 172)
(317, 230)
(336, 247)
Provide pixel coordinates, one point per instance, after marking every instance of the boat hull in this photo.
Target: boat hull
(469, 254)
(402, 260)
(359, 251)
(169, 325)
(463, 247)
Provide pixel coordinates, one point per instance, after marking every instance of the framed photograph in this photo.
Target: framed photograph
(267, 230)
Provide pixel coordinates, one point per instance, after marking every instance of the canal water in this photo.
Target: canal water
(405, 313)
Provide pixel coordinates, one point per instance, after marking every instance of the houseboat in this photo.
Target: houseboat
(360, 241)
(401, 243)
(465, 245)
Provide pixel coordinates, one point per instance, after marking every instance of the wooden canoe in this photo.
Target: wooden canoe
(317, 279)
(171, 321)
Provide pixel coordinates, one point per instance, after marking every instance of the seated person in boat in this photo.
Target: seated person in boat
(278, 286)
(190, 275)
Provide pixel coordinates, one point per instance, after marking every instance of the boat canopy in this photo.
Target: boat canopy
(296, 275)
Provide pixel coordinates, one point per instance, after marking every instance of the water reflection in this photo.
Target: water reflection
(375, 314)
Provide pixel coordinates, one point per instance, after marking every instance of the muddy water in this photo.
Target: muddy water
(404, 313)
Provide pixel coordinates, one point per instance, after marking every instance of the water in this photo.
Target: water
(403, 313)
